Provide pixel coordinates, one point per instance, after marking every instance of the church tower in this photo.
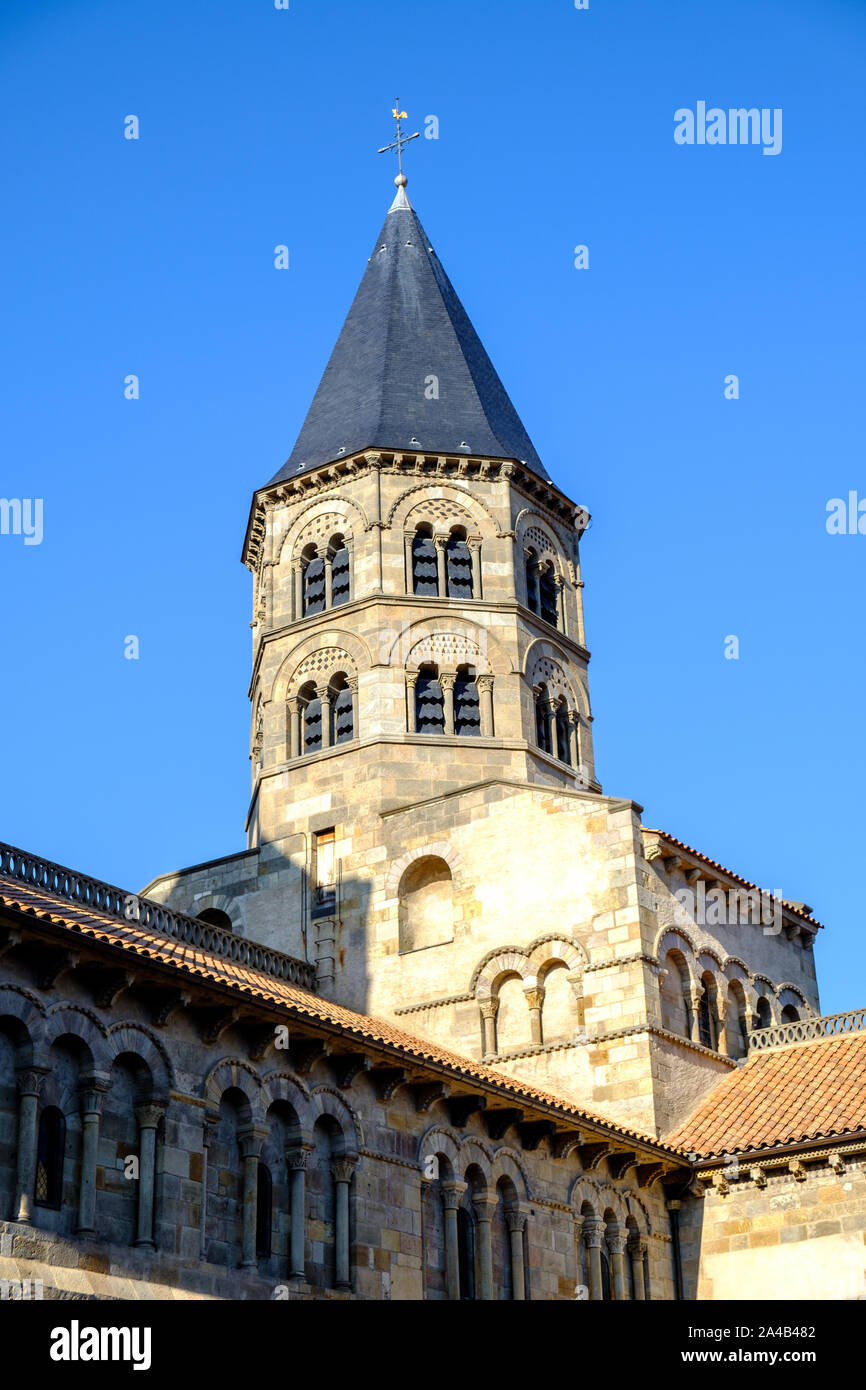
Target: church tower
(425, 825)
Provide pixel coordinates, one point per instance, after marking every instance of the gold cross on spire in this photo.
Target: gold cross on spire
(399, 115)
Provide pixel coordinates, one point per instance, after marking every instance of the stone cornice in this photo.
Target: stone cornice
(436, 467)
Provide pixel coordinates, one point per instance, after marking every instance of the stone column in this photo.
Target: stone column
(516, 1221)
(352, 683)
(475, 556)
(721, 1015)
(408, 538)
(574, 738)
(489, 1010)
(250, 1142)
(452, 1193)
(342, 1170)
(560, 603)
(485, 1206)
(411, 713)
(293, 710)
(148, 1117)
(329, 579)
(298, 592)
(535, 1000)
(578, 1247)
(324, 694)
(593, 1235)
(447, 683)
(296, 1163)
(637, 1249)
(485, 695)
(616, 1239)
(350, 573)
(29, 1085)
(694, 1002)
(208, 1130)
(441, 543)
(91, 1093)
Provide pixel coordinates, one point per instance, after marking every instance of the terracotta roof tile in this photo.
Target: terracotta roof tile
(301, 1003)
(814, 1090)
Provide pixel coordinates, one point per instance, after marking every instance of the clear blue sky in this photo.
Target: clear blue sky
(155, 257)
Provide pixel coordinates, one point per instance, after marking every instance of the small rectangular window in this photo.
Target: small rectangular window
(325, 872)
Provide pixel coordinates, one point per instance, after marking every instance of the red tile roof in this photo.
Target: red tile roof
(794, 1094)
(300, 1003)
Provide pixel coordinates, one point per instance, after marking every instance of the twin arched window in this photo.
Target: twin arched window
(326, 715)
(447, 704)
(442, 568)
(554, 725)
(325, 578)
(542, 589)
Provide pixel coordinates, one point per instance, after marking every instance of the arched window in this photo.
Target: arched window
(314, 581)
(49, 1158)
(790, 1014)
(426, 908)
(466, 1254)
(705, 1025)
(342, 711)
(425, 569)
(763, 1013)
(429, 702)
(339, 572)
(548, 596)
(532, 591)
(543, 736)
(216, 918)
(459, 565)
(311, 720)
(264, 1210)
(467, 705)
(563, 733)
(606, 1289)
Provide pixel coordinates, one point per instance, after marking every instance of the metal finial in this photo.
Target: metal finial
(399, 115)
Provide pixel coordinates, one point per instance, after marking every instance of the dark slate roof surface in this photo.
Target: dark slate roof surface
(406, 324)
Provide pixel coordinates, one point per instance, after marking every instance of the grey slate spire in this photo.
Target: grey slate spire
(405, 326)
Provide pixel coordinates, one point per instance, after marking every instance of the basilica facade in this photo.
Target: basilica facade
(454, 1023)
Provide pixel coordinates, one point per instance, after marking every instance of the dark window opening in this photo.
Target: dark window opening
(314, 587)
(264, 1209)
(340, 577)
(467, 706)
(311, 717)
(542, 721)
(325, 894)
(548, 597)
(49, 1158)
(459, 568)
(342, 715)
(705, 1027)
(429, 705)
(466, 1255)
(216, 918)
(532, 599)
(563, 736)
(425, 570)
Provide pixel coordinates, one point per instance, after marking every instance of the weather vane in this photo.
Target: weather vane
(400, 141)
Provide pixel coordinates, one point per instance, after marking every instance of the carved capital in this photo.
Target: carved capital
(616, 1239)
(637, 1246)
(484, 683)
(30, 1080)
(452, 1193)
(489, 1008)
(485, 1205)
(149, 1115)
(593, 1232)
(535, 997)
(296, 1160)
(342, 1169)
(516, 1219)
(250, 1141)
